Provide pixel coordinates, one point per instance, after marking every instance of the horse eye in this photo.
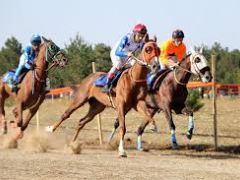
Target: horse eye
(148, 49)
(197, 60)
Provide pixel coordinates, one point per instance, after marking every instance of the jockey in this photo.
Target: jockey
(28, 56)
(124, 49)
(172, 50)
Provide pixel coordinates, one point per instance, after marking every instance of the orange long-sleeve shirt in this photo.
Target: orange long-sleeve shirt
(168, 48)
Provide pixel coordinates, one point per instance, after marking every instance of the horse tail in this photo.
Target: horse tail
(74, 88)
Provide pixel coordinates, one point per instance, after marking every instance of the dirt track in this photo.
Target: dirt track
(194, 160)
(99, 164)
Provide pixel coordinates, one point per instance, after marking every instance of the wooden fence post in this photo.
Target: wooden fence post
(99, 115)
(213, 58)
(37, 121)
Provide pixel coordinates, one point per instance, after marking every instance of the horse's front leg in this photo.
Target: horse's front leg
(3, 122)
(32, 111)
(115, 126)
(19, 121)
(189, 113)
(142, 108)
(122, 128)
(152, 125)
(168, 115)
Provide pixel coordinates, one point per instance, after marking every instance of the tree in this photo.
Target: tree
(79, 54)
(227, 62)
(10, 54)
(102, 57)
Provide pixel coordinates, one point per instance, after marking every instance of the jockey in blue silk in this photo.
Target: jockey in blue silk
(29, 54)
(124, 49)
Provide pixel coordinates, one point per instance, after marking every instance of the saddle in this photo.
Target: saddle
(8, 79)
(154, 81)
(102, 80)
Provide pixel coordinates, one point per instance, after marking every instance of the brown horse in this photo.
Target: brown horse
(171, 94)
(130, 92)
(32, 88)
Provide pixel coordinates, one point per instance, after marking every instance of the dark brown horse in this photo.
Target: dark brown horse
(171, 94)
(130, 92)
(32, 88)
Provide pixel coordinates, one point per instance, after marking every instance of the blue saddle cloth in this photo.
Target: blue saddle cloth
(152, 78)
(102, 80)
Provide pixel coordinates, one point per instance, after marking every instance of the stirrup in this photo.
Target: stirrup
(107, 89)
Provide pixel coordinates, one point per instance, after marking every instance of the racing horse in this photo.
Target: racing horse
(130, 92)
(31, 92)
(171, 93)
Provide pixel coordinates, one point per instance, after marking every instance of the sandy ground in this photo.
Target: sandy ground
(194, 160)
(99, 164)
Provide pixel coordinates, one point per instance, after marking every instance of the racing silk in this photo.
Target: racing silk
(168, 48)
(28, 56)
(125, 45)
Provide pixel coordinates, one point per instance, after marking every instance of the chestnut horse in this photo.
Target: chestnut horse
(130, 92)
(31, 93)
(171, 94)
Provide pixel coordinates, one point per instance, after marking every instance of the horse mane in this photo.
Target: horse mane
(184, 59)
(161, 78)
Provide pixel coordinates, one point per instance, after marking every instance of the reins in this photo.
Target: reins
(142, 63)
(178, 66)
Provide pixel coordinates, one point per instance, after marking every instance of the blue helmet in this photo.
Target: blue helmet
(177, 34)
(36, 39)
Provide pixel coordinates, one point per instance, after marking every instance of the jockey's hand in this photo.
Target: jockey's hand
(172, 63)
(130, 54)
(33, 66)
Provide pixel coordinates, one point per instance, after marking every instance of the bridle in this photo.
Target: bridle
(142, 63)
(193, 63)
(51, 56)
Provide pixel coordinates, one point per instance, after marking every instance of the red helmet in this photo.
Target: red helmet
(140, 28)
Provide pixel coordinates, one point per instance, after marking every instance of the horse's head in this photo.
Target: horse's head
(150, 52)
(54, 54)
(199, 65)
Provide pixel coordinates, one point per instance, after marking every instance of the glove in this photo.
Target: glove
(129, 54)
(28, 65)
(15, 78)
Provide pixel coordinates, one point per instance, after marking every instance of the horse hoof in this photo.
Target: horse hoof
(174, 146)
(3, 131)
(189, 136)
(49, 129)
(19, 134)
(140, 148)
(10, 144)
(73, 148)
(122, 154)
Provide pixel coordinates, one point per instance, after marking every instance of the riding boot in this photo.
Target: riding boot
(107, 88)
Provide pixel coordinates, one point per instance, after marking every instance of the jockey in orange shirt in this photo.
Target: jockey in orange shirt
(172, 50)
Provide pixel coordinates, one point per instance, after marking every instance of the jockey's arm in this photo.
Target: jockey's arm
(27, 54)
(120, 49)
(28, 57)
